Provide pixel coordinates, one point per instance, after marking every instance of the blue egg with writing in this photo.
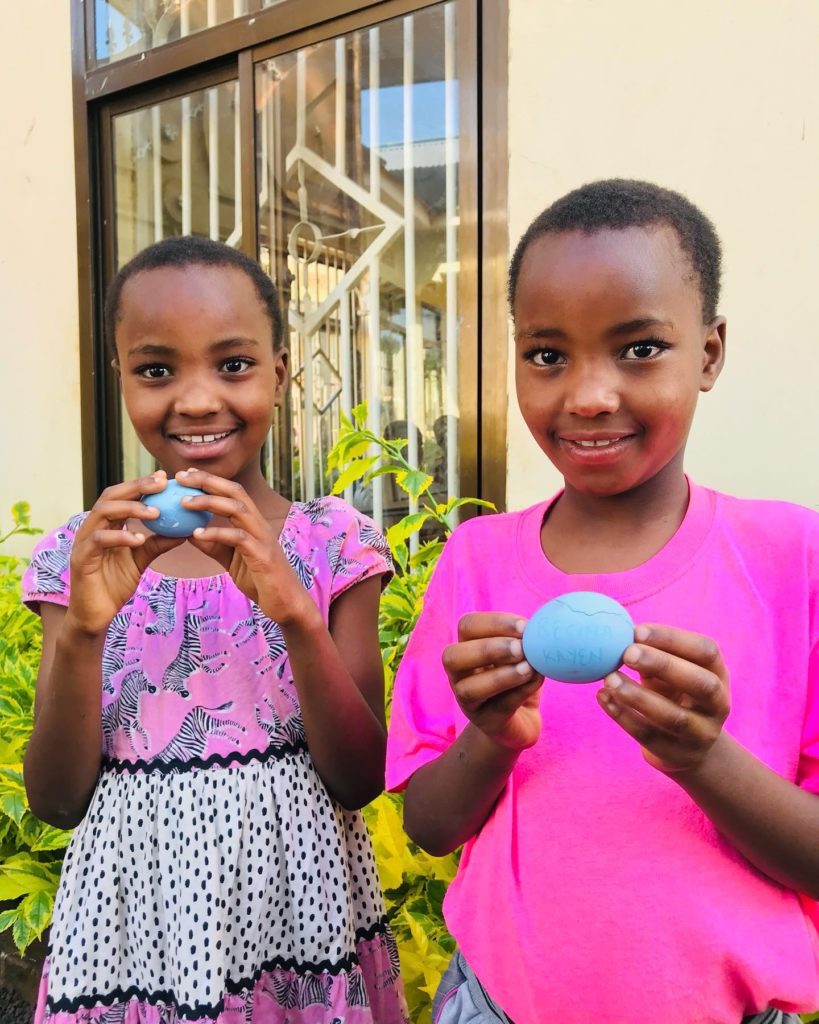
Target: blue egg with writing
(175, 520)
(578, 637)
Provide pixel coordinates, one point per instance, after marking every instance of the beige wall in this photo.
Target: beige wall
(40, 459)
(719, 100)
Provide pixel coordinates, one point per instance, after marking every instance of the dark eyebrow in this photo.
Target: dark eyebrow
(641, 324)
(542, 334)
(226, 345)
(618, 330)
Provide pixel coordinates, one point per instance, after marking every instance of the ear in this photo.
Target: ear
(713, 353)
(282, 371)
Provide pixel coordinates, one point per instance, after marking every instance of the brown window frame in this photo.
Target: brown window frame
(229, 51)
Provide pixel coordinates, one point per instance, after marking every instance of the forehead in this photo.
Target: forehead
(622, 269)
(168, 297)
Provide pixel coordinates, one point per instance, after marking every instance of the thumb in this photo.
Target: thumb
(152, 548)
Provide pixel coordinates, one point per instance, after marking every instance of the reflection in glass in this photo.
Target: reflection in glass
(125, 28)
(177, 171)
(357, 163)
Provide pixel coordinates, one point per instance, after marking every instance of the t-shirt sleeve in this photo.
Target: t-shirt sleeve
(425, 717)
(808, 775)
(47, 577)
(356, 551)
(808, 771)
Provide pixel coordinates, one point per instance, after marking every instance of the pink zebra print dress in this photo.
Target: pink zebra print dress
(213, 880)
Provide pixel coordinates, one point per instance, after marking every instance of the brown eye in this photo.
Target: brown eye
(236, 364)
(153, 372)
(640, 351)
(545, 357)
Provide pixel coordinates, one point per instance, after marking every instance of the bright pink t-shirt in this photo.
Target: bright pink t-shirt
(597, 890)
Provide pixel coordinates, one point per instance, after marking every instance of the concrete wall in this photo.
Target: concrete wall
(720, 101)
(40, 457)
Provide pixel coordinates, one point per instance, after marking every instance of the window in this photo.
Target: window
(343, 157)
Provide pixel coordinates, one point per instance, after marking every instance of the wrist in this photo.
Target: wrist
(301, 616)
(491, 752)
(709, 771)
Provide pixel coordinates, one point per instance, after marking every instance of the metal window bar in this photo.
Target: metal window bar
(450, 143)
(374, 346)
(412, 333)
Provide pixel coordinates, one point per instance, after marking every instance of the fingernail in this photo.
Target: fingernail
(613, 681)
(610, 706)
(642, 633)
(520, 625)
(523, 668)
(199, 531)
(515, 648)
(632, 655)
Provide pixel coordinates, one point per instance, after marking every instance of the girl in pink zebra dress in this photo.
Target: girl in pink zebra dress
(209, 711)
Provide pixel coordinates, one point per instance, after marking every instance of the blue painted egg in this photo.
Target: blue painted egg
(175, 520)
(578, 637)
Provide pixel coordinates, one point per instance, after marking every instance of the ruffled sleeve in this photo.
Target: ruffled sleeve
(356, 549)
(47, 576)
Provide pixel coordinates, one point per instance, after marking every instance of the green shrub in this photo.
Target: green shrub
(413, 882)
(30, 851)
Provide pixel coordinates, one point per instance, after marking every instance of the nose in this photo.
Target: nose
(197, 398)
(591, 390)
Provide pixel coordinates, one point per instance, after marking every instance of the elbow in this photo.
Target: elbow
(55, 809)
(432, 840)
(58, 816)
(354, 797)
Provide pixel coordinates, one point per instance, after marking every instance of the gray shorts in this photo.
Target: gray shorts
(462, 999)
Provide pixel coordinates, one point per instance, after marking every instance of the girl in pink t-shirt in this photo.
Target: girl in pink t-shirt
(210, 710)
(648, 848)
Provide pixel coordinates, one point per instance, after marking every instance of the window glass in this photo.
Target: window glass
(358, 159)
(126, 28)
(177, 171)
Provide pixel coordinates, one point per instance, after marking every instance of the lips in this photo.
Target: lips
(595, 449)
(202, 444)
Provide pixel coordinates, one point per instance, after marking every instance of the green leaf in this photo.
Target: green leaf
(20, 885)
(360, 414)
(414, 482)
(22, 933)
(21, 513)
(405, 528)
(353, 472)
(51, 839)
(36, 910)
(8, 917)
(13, 805)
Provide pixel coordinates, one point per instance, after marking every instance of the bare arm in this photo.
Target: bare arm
(448, 800)
(772, 822)
(337, 670)
(62, 761)
(677, 716)
(340, 682)
(63, 758)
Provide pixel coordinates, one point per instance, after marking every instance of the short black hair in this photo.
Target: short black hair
(619, 203)
(188, 251)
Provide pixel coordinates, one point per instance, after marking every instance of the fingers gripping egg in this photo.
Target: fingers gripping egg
(578, 637)
(175, 520)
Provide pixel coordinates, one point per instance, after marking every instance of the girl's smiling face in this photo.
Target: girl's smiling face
(611, 354)
(200, 378)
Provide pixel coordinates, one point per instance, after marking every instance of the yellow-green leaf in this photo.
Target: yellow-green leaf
(403, 529)
(353, 472)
